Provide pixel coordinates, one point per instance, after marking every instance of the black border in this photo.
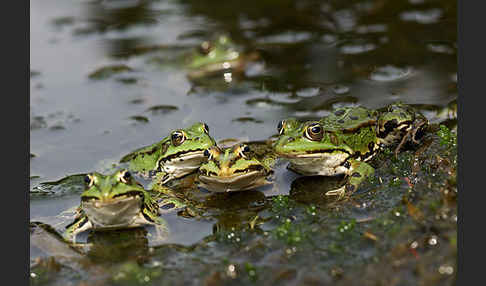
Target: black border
(16, 158)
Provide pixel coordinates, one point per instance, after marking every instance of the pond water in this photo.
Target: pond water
(312, 56)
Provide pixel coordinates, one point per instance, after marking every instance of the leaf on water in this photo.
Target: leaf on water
(162, 109)
(139, 118)
(70, 184)
(108, 71)
(247, 119)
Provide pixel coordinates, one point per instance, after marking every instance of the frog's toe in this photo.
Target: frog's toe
(338, 192)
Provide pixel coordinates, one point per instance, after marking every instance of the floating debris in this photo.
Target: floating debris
(162, 109)
(108, 71)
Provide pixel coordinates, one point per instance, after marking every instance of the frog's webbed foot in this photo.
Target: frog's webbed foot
(359, 171)
(337, 192)
(412, 133)
(418, 127)
(402, 142)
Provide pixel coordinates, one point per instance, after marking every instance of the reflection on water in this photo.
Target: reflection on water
(108, 77)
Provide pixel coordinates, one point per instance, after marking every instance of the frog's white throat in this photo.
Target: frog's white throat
(323, 164)
(183, 164)
(123, 212)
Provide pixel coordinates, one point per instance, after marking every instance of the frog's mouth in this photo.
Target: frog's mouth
(182, 163)
(118, 211)
(249, 178)
(183, 156)
(314, 154)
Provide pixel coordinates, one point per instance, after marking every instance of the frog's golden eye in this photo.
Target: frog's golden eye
(125, 177)
(280, 127)
(89, 180)
(207, 154)
(206, 128)
(314, 132)
(205, 48)
(244, 151)
(177, 138)
(212, 152)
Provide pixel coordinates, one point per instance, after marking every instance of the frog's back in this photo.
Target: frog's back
(355, 127)
(143, 159)
(349, 119)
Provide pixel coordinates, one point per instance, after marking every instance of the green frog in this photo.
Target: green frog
(343, 141)
(115, 201)
(214, 57)
(177, 155)
(234, 168)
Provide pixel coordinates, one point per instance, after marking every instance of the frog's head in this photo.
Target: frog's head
(398, 119)
(108, 188)
(215, 52)
(232, 168)
(306, 140)
(186, 144)
(112, 200)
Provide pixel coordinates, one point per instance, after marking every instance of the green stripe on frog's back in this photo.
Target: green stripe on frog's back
(146, 158)
(349, 119)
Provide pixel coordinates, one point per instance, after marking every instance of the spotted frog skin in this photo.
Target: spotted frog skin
(178, 154)
(233, 168)
(114, 201)
(342, 142)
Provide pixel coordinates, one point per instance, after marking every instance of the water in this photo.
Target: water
(315, 55)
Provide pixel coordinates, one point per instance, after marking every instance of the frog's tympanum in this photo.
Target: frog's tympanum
(343, 141)
(179, 154)
(232, 169)
(115, 201)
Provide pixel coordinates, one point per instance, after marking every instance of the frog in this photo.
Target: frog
(400, 123)
(234, 168)
(177, 155)
(217, 56)
(343, 142)
(115, 201)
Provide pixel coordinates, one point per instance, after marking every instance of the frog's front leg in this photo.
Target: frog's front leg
(357, 173)
(160, 224)
(79, 225)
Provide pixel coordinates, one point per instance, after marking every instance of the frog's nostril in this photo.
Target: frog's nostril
(290, 139)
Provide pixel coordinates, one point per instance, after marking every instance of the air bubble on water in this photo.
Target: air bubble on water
(357, 49)
(340, 89)
(446, 269)
(422, 17)
(433, 240)
(440, 48)
(414, 245)
(308, 92)
(390, 73)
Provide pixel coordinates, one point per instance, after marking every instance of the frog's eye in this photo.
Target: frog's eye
(125, 177)
(205, 48)
(244, 151)
(207, 154)
(280, 126)
(177, 138)
(314, 132)
(206, 128)
(89, 180)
